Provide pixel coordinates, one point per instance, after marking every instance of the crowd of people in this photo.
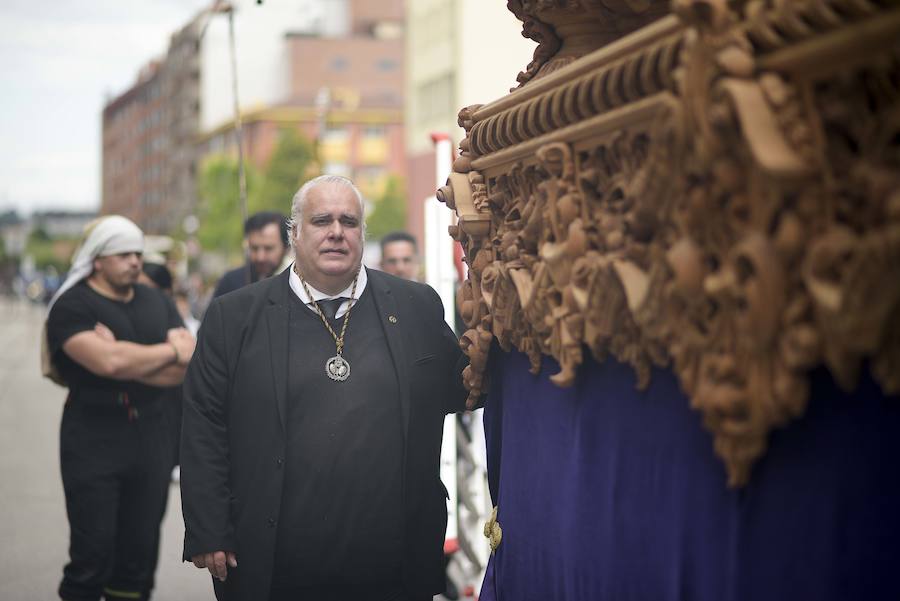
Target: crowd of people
(308, 443)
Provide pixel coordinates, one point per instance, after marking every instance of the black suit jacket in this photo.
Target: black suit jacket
(233, 439)
(234, 279)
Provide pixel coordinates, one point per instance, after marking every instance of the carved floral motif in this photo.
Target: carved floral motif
(715, 200)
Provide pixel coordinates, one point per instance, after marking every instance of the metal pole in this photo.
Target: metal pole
(238, 126)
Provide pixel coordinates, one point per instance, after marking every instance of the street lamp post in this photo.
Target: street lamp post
(238, 123)
(224, 7)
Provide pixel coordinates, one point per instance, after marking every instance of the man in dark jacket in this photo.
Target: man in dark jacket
(314, 410)
(266, 242)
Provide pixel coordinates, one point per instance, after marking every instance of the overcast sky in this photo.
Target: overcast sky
(59, 61)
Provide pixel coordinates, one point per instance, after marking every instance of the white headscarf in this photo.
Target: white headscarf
(105, 236)
(110, 235)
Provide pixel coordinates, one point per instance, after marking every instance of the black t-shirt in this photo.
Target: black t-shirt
(145, 319)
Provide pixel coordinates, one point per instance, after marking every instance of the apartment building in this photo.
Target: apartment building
(455, 50)
(344, 90)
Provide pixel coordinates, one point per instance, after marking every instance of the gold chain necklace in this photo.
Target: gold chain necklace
(337, 368)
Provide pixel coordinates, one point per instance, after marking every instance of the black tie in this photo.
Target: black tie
(330, 307)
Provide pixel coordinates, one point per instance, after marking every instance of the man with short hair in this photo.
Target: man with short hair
(116, 345)
(400, 255)
(266, 244)
(314, 410)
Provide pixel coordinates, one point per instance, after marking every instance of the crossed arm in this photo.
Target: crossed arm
(161, 364)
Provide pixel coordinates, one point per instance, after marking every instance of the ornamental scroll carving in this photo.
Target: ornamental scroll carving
(717, 191)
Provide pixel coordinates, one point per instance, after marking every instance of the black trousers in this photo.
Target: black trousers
(334, 593)
(172, 406)
(115, 473)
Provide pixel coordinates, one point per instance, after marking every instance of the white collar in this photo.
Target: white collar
(318, 295)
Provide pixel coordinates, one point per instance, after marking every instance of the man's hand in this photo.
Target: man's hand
(183, 342)
(217, 563)
(104, 332)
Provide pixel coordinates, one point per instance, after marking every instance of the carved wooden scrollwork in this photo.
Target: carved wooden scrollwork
(568, 29)
(717, 191)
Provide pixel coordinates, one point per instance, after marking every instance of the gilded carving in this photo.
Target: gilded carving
(718, 193)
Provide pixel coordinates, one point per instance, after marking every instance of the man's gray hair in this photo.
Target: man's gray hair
(299, 200)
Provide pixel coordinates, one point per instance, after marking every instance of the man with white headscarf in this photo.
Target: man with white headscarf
(115, 344)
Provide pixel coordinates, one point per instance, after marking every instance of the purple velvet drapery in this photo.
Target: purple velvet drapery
(608, 493)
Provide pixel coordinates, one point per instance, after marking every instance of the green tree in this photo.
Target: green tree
(48, 252)
(390, 210)
(291, 164)
(221, 225)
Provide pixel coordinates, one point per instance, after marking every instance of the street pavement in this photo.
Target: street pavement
(34, 533)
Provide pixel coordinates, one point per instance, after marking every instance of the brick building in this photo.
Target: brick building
(454, 49)
(149, 164)
(331, 69)
(345, 92)
(181, 78)
(151, 154)
(133, 143)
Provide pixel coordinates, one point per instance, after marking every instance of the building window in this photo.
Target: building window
(335, 133)
(387, 64)
(435, 98)
(386, 30)
(375, 130)
(338, 63)
(336, 169)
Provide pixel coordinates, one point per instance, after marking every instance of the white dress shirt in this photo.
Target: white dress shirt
(318, 295)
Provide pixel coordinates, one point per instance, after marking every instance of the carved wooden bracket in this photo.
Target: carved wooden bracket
(716, 190)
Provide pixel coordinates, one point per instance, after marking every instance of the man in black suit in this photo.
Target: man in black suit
(266, 244)
(311, 440)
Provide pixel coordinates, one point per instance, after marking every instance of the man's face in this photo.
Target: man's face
(399, 258)
(120, 271)
(265, 250)
(329, 239)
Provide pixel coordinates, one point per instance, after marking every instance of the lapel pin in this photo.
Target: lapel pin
(392, 319)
